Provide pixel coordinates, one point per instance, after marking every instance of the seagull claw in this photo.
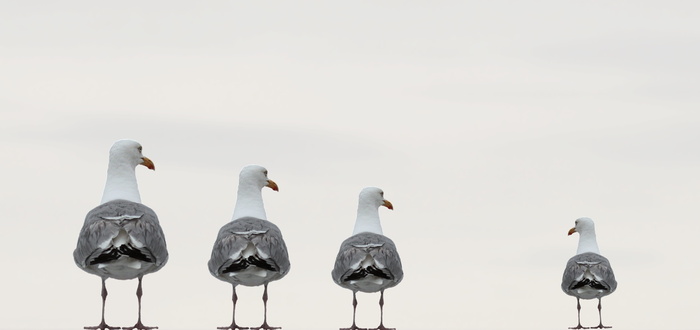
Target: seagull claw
(264, 326)
(139, 326)
(233, 327)
(102, 326)
(354, 327)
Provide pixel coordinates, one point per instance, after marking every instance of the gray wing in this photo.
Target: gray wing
(237, 234)
(104, 222)
(147, 230)
(598, 266)
(356, 248)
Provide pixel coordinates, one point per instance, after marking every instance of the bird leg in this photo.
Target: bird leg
(233, 325)
(381, 314)
(139, 325)
(578, 307)
(354, 310)
(265, 326)
(103, 325)
(600, 317)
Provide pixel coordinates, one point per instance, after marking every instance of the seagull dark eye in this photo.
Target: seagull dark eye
(140, 148)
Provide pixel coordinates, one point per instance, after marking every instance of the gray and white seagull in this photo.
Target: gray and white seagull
(121, 238)
(588, 274)
(368, 261)
(250, 250)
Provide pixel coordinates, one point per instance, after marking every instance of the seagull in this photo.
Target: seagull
(250, 250)
(368, 260)
(588, 274)
(121, 238)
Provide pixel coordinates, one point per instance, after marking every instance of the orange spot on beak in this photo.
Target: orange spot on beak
(148, 163)
(388, 204)
(572, 230)
(272, 185)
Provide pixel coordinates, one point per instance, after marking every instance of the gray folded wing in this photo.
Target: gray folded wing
(103, 223)
(354, 250)
(589, 269)
(235, 236)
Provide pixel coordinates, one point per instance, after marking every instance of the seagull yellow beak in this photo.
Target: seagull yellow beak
(572, 230)
(388, 204)
(148, 163)
(272, 185)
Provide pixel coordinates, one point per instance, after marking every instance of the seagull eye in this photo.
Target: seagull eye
(140, 148)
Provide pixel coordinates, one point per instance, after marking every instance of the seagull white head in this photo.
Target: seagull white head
(583, 225)
(129, 153)
(371, 198)
(587, 239)
(249, 201)
(124, 156)
(255, 176)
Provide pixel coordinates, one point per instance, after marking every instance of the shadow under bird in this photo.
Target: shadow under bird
(368, 261)
(588, 274)
(250, 250)
(122, 238)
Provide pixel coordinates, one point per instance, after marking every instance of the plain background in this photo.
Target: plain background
(490, 125)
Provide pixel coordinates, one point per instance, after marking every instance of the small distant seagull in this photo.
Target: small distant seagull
(368, 260)
(588, 274)
(121, 238)
(250, 250)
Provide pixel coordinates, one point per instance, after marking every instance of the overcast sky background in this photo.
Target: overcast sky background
(491, 126)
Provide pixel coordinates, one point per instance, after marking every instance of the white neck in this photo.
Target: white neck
(121, 183)
(367, 220)
(587, 242)
(249, 203)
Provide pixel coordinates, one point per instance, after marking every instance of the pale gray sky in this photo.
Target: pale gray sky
(491, 126)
